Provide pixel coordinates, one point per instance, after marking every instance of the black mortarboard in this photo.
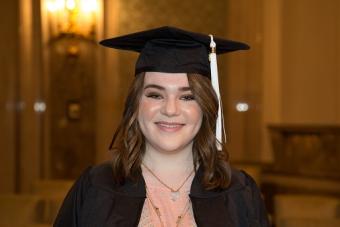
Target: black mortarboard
(172, 50)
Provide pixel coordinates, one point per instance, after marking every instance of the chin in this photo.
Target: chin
(169, 147)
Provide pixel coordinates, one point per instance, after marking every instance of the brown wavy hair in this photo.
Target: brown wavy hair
(128, 143)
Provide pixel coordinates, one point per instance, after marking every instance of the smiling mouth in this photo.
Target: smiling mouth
(169, 126)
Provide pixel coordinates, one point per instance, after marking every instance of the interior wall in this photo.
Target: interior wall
(28, 161)
(20, 72)
(244, 80)
(310, 61)
(70, 67)
(107, 81)
(301, 64)
(272, 75)
(71, 106)
(8, 96)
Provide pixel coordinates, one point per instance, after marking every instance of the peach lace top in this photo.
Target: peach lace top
(168, 208)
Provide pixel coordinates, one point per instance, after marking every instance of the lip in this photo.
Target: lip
(169, 126)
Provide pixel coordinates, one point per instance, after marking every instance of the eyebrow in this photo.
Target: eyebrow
(163, 88)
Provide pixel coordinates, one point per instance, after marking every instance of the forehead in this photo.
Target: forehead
(166, 79)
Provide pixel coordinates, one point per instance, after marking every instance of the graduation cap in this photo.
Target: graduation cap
(173, 50)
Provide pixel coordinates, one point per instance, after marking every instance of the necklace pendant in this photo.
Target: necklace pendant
(174, 195)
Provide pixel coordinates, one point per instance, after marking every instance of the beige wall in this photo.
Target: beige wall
(301, 64)
(30, 77)
(108, 83)
(8, 74)
(271, 89)
(21, 135)
(244, 80)
(310, 61)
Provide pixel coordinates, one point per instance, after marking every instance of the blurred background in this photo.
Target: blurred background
(62, 95)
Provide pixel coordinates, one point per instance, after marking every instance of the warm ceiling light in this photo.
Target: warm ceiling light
(55, 5)
(72, 17)
(70, 4)
(88, 5)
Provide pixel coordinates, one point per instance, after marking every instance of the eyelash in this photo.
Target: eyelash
(153, 96)
(158, 96)
(188, 97)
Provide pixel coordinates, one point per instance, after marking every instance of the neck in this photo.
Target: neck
(181, 161)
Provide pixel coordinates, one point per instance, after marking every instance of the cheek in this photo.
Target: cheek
(146, 110)
(194, 114)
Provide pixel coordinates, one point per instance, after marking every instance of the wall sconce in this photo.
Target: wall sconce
(72, 18)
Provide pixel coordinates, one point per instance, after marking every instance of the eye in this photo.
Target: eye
(153, 95)
(188, 97)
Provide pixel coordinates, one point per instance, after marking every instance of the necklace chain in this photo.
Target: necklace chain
(164, 184)
(158, 213)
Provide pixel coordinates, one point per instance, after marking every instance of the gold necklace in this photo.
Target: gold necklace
(174, 192)
(158, 213)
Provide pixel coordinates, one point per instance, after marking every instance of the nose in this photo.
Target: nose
(170, 107)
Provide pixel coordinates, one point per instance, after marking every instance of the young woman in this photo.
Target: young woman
(167, 168)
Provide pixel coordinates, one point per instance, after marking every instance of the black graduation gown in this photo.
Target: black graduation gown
(96, 201)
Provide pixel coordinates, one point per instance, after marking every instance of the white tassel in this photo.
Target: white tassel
(215, 84)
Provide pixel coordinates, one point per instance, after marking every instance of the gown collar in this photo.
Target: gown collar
(136, 187)
(210, 207)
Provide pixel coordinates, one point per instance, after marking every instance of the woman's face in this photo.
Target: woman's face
(168, 116)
